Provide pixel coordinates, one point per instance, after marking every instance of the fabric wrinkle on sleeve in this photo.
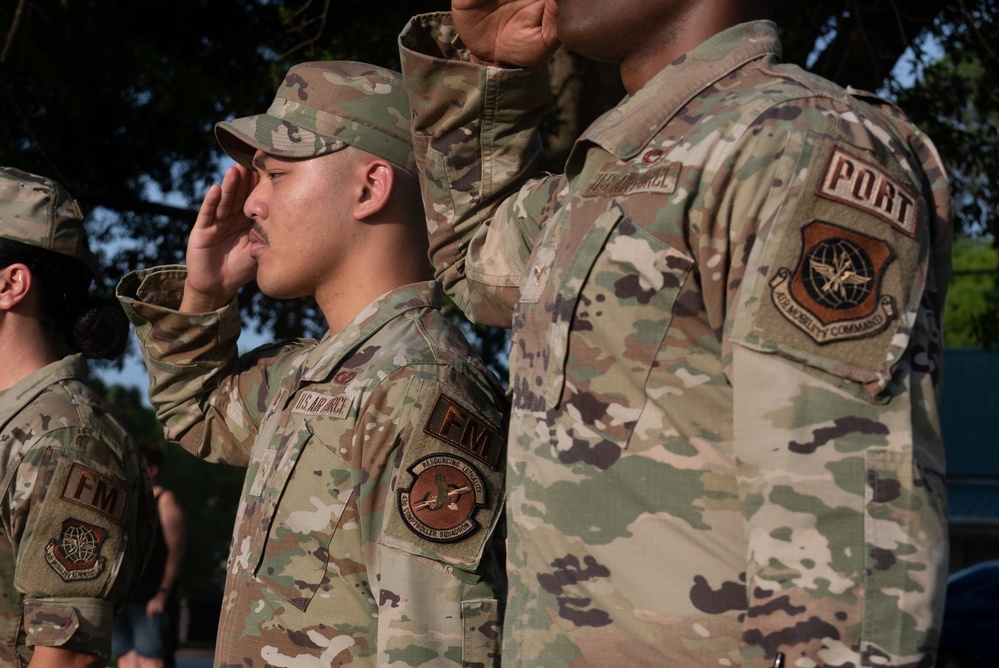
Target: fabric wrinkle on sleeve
(840, 471)
(207, 398)
(474, 156)
(71, 542)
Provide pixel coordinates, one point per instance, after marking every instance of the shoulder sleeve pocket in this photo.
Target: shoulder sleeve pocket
(447, 495)
(837, 281)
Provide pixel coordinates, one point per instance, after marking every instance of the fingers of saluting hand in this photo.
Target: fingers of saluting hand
(236, 186)
(223, 201)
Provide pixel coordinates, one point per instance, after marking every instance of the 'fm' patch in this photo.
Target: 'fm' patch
(90, 489)
(858, 183)
(453, 424)
(76, 554)
(440, 504)
(834, 293)
(626, 179)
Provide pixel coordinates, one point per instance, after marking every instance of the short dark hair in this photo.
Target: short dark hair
(152, 455)
(74, 318)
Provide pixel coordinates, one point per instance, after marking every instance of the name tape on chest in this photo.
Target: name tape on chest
(453, 424)
(626, 179)
(314, 403)
(88, 488)
(857, 183)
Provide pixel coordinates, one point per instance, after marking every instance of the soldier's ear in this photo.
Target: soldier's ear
(376, 188)
(15, 283)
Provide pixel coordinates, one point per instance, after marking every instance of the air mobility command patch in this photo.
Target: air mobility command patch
(834, 292)
(449, 488)
(76, 553)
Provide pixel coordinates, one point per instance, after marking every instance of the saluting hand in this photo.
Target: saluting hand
(218, 261)
(518, 33)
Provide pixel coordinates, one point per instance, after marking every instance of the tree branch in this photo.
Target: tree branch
(18, 12)
(871, 38)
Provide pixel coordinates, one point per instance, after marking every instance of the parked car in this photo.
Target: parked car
(970, 636)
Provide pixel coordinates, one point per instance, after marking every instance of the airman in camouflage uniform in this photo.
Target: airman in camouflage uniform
(726, 337)
(75, 505)
(375, 456)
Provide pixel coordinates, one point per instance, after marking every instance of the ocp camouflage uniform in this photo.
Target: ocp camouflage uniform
(75, 515)
(724, 362)
(374, 478)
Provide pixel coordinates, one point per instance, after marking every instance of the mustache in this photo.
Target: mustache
(259, 231)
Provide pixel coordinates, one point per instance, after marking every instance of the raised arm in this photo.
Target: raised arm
(218, 259)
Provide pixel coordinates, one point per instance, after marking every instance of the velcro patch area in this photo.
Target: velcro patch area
(448, 491)
(831, 282)
(88, 488)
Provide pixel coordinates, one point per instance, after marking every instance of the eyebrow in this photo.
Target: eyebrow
(260, 161)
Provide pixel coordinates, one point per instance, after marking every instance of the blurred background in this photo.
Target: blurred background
(117, 99)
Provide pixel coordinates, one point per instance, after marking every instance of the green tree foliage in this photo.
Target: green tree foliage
(117, 98)
(971, 292)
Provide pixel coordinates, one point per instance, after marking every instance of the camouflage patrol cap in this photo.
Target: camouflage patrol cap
(37, 211)
(323, 106)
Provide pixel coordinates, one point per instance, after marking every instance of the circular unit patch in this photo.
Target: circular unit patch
(441, 503)
(838, 274)
(76, 554)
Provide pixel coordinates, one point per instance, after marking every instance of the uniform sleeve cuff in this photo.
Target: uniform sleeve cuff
(81, 624)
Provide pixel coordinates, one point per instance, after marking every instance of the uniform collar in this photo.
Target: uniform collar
(13, 400)
(333, 348)
(631, 125)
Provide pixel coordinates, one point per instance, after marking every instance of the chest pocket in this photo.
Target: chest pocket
(548, 298)
(304, 497)
(586, 348)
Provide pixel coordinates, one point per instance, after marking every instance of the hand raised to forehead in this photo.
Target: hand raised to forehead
(218, 258)
(518, 33)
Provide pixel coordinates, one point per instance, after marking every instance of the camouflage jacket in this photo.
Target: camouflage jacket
(374, 478)
(76, 515)
(724, 360)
